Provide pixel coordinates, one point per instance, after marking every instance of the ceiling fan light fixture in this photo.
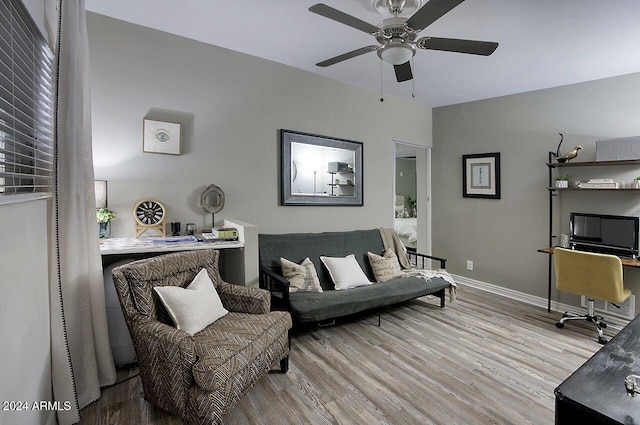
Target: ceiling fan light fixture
(396, 53)
(386, 7)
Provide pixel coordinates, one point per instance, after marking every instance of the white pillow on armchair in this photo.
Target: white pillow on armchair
(195, 307)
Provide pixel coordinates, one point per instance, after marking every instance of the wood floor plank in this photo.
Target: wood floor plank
(484, 359)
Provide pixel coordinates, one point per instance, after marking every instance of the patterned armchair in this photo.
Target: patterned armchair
(199, 377)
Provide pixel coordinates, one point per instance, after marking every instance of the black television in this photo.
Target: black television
(608, 234)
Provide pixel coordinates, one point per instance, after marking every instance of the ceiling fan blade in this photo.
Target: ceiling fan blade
(345, 56)
(484, 48)
(403, 72)
(336, 15)
(431, 12)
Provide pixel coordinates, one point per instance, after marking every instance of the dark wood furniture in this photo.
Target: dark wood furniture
(595, 393)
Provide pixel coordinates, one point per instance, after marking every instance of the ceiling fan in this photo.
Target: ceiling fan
(398, 36)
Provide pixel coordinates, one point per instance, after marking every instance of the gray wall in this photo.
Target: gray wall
(231, 106)
(502, 236)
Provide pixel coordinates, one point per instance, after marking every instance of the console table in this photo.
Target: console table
(595, 393)
(152, 244)
(239, 261)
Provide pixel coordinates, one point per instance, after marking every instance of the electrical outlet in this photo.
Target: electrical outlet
(469, 265)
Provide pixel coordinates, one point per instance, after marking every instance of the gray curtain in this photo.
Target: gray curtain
(80, 351)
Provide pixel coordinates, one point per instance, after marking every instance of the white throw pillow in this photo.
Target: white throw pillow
(345, 272)
(195, 307)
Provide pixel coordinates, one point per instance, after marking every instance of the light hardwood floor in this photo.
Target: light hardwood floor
(484, 359)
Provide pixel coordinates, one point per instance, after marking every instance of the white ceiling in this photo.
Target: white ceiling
(543, 43)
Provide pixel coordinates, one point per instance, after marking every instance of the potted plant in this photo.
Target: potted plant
(104, 216)
(636, 183)
(562, 182)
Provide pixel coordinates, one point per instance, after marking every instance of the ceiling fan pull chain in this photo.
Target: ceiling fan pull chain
(381, 98)
(413, 80)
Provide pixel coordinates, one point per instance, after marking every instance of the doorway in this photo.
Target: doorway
(412, 196)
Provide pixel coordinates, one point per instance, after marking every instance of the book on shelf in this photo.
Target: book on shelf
(601, 181)
(229, 233)
(596, 185)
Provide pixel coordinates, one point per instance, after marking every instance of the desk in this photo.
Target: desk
(627, 262)
(239, 261)
(131, 245)
(117, 249)
(595, 393)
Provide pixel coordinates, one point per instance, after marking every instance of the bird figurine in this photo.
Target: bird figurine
(569, 155)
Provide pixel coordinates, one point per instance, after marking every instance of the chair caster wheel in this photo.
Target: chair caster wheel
(602, 340)
(559, 325)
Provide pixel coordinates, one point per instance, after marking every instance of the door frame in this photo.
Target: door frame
(423, 192)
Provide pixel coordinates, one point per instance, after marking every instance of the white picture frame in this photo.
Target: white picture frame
(161, 137)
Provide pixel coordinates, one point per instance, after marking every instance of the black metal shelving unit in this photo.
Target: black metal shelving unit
(553, 191)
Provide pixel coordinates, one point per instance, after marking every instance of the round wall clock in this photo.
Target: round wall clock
(149, 214)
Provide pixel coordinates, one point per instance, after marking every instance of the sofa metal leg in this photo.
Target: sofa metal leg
(326, 322)
(284, 364)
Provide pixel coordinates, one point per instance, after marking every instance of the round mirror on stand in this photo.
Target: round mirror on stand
(212, 201)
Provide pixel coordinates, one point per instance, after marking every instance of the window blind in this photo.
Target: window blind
(26, 105)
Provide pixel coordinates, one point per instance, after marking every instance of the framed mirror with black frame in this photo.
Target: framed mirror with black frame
(320, 170)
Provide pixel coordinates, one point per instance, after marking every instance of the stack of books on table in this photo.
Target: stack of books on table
(599, 184)
(221, 234)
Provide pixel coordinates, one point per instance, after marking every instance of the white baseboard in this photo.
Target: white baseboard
(526, 298)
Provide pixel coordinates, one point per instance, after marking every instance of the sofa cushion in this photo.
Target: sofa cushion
(385, 267)
(301, 277)
(227, 348)
(345, 272)
(195, 307)
(297, 246)
(310, 306)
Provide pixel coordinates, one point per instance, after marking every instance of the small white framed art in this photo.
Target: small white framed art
(161, 137)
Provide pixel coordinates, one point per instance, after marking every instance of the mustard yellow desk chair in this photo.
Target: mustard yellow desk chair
(596, 276)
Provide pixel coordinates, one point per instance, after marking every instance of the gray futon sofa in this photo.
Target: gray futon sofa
(330, 304)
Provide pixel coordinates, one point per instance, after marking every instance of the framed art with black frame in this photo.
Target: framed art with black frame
(481, 175)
